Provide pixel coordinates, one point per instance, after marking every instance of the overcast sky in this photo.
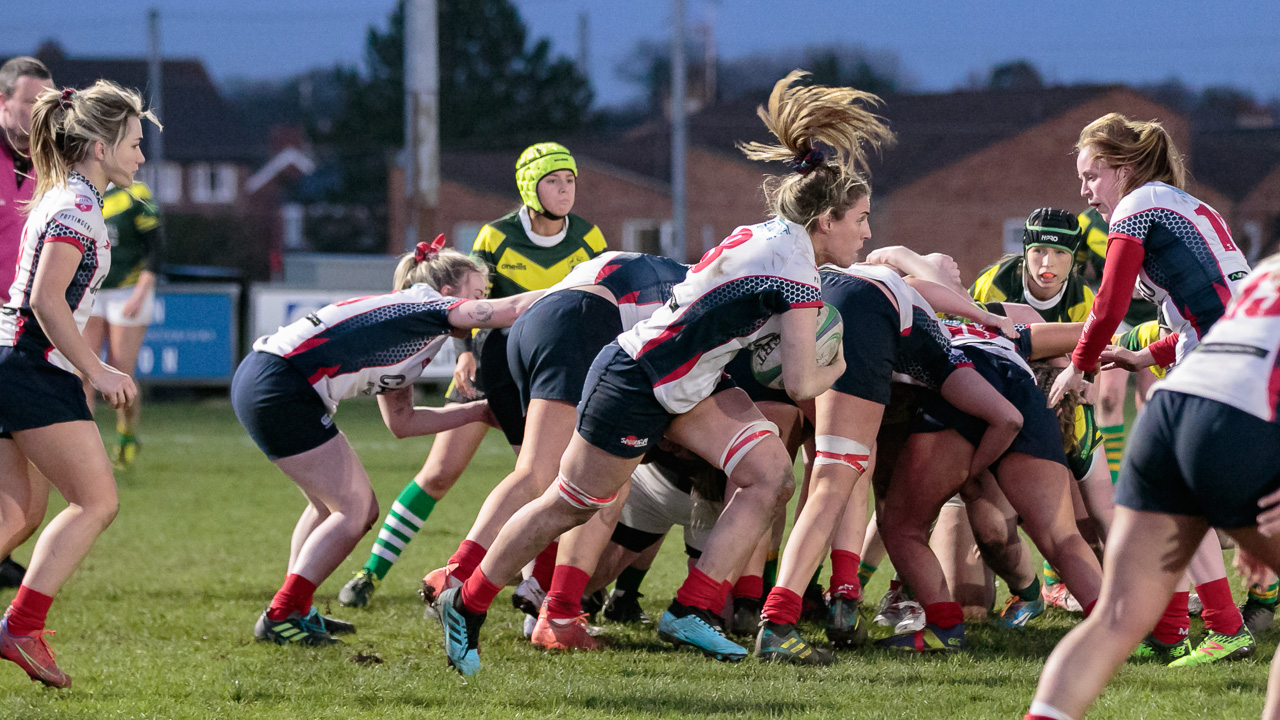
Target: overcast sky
(939, 42)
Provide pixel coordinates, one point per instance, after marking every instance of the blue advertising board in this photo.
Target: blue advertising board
(194, 336)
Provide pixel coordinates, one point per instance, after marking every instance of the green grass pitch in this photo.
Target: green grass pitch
(158, 621)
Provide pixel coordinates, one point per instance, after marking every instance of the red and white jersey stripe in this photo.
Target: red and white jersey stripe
(69, 213)
(1238, 361)
(721, 307)
(365, 345)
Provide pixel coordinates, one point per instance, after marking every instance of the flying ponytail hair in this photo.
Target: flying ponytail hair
(434, 264)
(801, 116)
(66, 123)
(1146, 148)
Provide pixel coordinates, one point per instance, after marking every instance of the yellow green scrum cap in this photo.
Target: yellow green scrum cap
(534, 163)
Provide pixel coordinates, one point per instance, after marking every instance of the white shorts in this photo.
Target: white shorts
(655, 505)
(110, 304)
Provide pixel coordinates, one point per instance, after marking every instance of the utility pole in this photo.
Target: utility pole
(584, 44)
(678, 131)
(421, 119)
(155, 76)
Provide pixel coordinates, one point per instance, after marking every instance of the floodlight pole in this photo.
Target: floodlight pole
(678, 131)
(421, 119)
(155, 76)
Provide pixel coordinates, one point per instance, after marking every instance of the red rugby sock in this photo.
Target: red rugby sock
(1175, 622)
(844, 574)
(478, 592)
(945, 615)
(294, 596)
(749, 586)
(467, 557)
(1220, 613)
(700, 591)
(544, 566)
(782, 607)
(28, 611)
(564, 600)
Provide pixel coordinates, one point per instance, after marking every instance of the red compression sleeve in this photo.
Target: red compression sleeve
(1124, 260)
(1165, 350)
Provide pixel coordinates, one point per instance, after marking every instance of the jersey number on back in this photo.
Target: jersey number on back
(1219, 227)
(730, 242)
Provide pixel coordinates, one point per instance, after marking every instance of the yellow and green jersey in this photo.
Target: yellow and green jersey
(517, 264)
(1138, 338)
(133, 224)
(1003, 282)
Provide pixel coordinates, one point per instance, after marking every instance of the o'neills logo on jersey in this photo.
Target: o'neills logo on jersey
(635, 442)
(83, 203)
(512, 266)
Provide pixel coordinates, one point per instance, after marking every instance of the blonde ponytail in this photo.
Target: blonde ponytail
(801, 116)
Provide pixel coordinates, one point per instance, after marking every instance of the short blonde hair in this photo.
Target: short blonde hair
(1146, 148)
(65, 124)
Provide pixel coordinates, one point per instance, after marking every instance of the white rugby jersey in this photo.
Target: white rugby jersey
(1191, 267)
(721, 307)
(1238, 360)
(365, 345)
(640, 283)
(70, 213)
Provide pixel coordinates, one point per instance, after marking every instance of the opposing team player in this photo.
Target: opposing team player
(1180, 253)
(286, 392)
(1046, 278)
(1203, 454)
(529, 249)
(662, 376)
(126, 304)
(80, 141)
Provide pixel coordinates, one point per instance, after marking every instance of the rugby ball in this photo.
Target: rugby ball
(766, 357)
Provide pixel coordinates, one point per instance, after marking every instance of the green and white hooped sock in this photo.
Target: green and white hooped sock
(406, 517)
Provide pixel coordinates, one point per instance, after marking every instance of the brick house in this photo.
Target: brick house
(221, 189)
(1244, 165)
(969, 166)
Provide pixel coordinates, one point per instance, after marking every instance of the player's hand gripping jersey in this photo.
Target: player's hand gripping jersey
(1238, 362)
(70, 213)
(365, 345)
(1190, 266)
(639, 283)
(722, 307)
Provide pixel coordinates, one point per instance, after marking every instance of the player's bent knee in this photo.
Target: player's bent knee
(747, 437)
(580, 501)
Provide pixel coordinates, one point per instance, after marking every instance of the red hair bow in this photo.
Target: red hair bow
(427, 250)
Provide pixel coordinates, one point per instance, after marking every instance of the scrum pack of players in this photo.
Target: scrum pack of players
(624, 382)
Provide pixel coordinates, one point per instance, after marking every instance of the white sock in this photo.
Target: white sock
(1049, 711)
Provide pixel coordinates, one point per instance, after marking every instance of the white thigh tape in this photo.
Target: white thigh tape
(837, 450)
(573, 495)
(748, 437)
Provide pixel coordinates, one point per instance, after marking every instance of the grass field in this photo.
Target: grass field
(158, 621)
